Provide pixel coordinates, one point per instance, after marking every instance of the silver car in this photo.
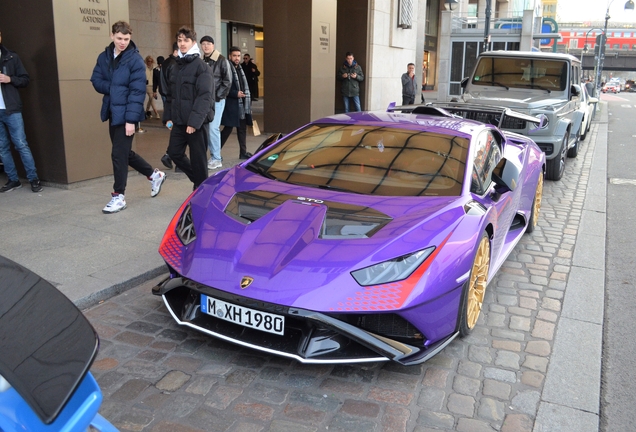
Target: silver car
(533, 83)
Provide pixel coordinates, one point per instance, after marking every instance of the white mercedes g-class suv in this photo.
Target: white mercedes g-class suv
(533, 83)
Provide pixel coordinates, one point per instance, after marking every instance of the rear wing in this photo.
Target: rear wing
(46, 344)
(502, 117)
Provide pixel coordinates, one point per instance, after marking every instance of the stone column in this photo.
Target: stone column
(301, 64)
(444, 57)
(527, 31)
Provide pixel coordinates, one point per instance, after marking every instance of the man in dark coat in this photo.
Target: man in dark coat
(350, 75)
(251, 73)
(164, 84)
(238, 106)
(14, 76)
(409, 86)
(120, 75)
(189, 108)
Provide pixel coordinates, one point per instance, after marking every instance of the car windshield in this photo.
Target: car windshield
(512, 72)
(368, 160)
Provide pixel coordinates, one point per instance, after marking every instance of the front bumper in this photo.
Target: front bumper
(310, 337)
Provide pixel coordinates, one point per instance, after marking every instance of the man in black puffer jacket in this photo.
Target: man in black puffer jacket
(120, 76)
(189, 108)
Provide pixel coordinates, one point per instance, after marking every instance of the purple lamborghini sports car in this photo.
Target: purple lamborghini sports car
(359, 237)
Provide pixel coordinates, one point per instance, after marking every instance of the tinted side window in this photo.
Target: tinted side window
(487, 155)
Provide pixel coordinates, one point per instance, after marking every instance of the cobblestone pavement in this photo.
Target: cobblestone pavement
(157, 376)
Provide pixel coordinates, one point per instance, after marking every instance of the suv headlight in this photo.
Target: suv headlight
(392, 270)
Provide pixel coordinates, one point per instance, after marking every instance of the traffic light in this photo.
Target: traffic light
(600, 42)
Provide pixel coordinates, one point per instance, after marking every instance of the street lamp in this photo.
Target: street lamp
(629, 5)
(451, 5)
(585, 47)
(487, 25)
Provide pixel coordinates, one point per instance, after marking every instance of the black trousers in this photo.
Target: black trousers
(123, 156)
(408, 100)
(241, 131)
(196, 167)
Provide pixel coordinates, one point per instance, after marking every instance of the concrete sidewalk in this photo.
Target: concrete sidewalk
(62, 235)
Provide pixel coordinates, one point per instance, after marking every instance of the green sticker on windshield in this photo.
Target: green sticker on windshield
(273, 157)
(476, 78)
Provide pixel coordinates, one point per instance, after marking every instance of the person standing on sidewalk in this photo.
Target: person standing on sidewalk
(350, 75)
(190, 108)
(120, 76)
(251, 73)
(13, 76)
(152, 95)
(409, 86)
(166, 69)
(222, 80)
(238, 106)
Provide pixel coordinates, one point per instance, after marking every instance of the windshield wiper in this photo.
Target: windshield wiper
(499, 84)
(538, 86)
(336, 188)
(260, 169)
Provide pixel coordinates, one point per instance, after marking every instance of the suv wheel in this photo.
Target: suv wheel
(556, 167)
(575, 149)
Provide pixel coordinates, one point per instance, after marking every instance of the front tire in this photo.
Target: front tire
(475, 291)
(536, 205)
(556, 167)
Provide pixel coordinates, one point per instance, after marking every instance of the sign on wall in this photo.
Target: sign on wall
(323, 39)
(93, 17)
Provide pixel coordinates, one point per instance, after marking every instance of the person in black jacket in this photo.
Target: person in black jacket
(238, 105)
(120, 76)
(164, 85)
(189, 108)
(13, 76)
(251, 73)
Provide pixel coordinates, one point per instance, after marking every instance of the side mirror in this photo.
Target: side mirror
(464, 82)
(575, 90)
(269, 141)
(505, 176)
(593, 100)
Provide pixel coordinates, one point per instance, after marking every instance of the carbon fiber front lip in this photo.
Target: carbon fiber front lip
(383, 348)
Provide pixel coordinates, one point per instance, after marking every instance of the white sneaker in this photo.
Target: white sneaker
(157, 179)
(214, 164)
(117, 203)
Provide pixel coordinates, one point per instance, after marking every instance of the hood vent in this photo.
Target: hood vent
(342, 221)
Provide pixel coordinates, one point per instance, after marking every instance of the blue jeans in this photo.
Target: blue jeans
(356, 101)
(14, 124)
(215, 133)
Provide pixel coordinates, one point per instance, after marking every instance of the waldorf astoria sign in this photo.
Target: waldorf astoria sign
(93, 17)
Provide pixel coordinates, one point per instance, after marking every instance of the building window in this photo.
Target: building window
(405, 14)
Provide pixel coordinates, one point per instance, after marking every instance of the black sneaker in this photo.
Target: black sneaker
(35, 185)
(245, 155)
(10, 186)
(166, 161)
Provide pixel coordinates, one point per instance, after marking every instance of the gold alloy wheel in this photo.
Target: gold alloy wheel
(537, 200)
(478, 281)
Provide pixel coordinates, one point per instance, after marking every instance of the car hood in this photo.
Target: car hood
(522, 101)
(286, 251)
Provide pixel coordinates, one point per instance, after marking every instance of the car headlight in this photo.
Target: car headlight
(392, 270)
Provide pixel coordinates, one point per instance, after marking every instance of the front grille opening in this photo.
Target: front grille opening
(546, 148)
(391, 326)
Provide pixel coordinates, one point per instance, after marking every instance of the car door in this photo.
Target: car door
(487, 155)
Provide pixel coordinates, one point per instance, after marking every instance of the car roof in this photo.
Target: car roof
(526, 54)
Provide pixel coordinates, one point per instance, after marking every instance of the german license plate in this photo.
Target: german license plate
(247, 317)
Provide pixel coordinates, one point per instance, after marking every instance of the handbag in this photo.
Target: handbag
(255, 128)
